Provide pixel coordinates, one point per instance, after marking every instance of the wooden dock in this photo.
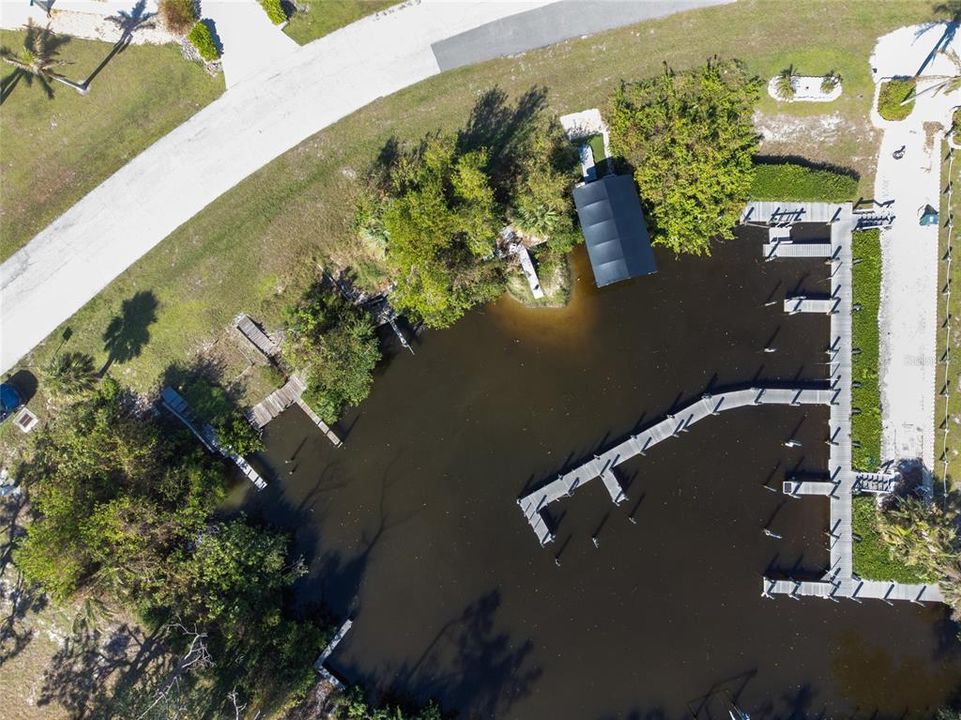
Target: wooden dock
(534, 503)
(853, 589)
(257, 337)
(804, 304)
(788, 249)
(282, 398)
(177, 406)
(776, 213)
(320, 662)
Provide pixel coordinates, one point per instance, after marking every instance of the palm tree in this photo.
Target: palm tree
(37, 60)
(72, 373)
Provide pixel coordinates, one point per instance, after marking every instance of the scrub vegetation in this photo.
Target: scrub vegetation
(54, 151)
(436, 208)
(124, 510)
(690, 140)
(315, 18)
(865, 336)
(792, 181)
(202, 39)
(874, 559)
(892, 96)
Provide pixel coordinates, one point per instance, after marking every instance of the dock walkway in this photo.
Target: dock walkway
(177, 406)
(257, 337)
(320, 662)
(282, 398)
(671, 426)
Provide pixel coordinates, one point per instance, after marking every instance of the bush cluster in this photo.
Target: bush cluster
(202, 39)
(790, 181)
(275, 11)
(178, 15)
(872, 555)
(893, 93)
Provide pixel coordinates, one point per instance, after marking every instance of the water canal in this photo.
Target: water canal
(412, 527)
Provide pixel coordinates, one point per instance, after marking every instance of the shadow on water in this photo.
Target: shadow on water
(413, 529)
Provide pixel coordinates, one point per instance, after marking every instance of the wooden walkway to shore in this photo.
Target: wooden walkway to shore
(533, 504)
(257, 337)
(281, 399)
(178, 407)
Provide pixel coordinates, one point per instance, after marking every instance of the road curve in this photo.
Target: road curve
(253, 122)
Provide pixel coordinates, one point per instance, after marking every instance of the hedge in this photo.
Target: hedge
(893, 93)
(866, 289)
(202, 39)
(275, 11)
(791, 181)
(871, 554)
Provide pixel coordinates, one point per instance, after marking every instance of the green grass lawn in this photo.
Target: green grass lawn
(324, 16)
(872, 560)
(890, 97)
(55, 151)
(790, 181)
(866, 292)
(258, 245)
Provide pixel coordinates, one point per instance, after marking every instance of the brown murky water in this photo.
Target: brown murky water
(413, 530)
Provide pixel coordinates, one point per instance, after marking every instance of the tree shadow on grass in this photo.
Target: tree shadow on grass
(51, 43)
(128, 333)
(506, 130)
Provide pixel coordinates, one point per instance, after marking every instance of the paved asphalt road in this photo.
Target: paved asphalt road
(254, 121)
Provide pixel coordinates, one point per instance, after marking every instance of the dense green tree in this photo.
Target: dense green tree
(336, 341)
(690, 139)
(441, 222)
(124, 509)
(542, 203)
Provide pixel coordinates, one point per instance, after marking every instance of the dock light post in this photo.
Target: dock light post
(770, 303)
(772, 534)
(792, 443)
(557, 560)
(770, 349)
(594, 540)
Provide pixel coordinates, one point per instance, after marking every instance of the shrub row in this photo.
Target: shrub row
(202, 39)
(866, 282)
(274, 10)
(790, 181)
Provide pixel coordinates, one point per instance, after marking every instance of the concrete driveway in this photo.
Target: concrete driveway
(909, 284)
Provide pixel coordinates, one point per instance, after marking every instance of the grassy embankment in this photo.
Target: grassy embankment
(324, 16)
(948, 378)
(55, 151)
(256, 247)
(872, 559)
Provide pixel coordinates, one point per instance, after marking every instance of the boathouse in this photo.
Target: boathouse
(614, 229)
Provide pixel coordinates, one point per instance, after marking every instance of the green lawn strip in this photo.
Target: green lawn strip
(866, 289)
(791, 181)
(324, 16)
(872, 558)
(893, 93)
(55, 151)
(949, 375)
(259, 245)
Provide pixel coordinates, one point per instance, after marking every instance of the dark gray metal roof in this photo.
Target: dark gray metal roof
(614, 229)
